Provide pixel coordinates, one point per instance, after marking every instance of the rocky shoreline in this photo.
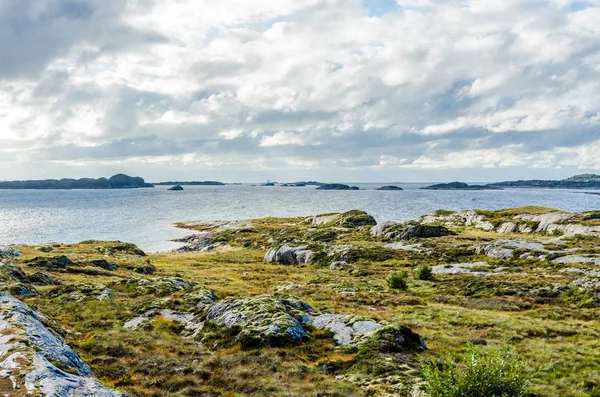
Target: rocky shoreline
(313, 296)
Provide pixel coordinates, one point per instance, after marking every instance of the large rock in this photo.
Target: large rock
(354, 218)
(577, 259)
(8, 252)
(457, 218)
(346, 329)
(260, 320)
(29, 351)
(398, 231)
(287, 255)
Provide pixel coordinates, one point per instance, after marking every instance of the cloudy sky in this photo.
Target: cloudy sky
(334, 90)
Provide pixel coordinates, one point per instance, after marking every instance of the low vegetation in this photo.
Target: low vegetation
(546, 311)
(496, 373)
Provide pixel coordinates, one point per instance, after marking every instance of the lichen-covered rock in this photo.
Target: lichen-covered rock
(102, 263)
(50, 263)
(145, 269)
(339, 265)
(494, 252)
(287, 255)
(571, 259)
(11, 272)
(259, 320)
(156, 286)
(383, 228)
(457, 218)
(199, 296)
(398, 231)
(463, 268)
(29, 351)
(354, 218)
(422, 231)
(83, 292)
(39, 278)
(8, 252)
(346, 329)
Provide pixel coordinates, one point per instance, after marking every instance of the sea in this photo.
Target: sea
(146, 216)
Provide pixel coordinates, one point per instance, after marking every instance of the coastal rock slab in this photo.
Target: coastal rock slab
(28, 349)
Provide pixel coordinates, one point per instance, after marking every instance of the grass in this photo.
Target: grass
(531, 308)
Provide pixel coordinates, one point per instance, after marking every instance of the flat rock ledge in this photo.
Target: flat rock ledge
(30, 353)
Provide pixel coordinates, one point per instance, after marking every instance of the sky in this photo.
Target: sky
(286, 90)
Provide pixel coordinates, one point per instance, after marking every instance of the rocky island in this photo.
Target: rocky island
(332, 305)
(460, 186)
(337, 186)
(176, 188)
(119, 181)
(584, 181)
(391, 187)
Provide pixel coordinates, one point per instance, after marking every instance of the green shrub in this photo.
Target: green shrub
(398, 280)
(424, 272)
(484, 374)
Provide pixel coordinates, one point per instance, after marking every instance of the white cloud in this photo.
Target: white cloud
(432, 84)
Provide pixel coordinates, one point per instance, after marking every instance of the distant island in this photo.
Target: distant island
(460, 186)
(391, 187)
(337, 186)
(119, 181)
(584, 181)
(309, 183)
(176, 188)
(191, 183)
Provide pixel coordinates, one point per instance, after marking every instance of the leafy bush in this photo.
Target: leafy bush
(398, 280)
(484, 374)
(424, 272)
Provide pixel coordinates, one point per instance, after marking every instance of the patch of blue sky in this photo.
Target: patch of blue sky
(379, 8)
(578, 6)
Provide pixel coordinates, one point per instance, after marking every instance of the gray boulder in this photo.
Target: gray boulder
(422, 231)
(29, 349)
(287, 255)
(346, 329)
(339, 265)
(260, 320)
(7, 252)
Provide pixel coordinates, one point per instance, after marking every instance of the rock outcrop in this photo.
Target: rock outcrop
(553, 222)
(260, 320)
(354, 218)
(176, 188)
(30, 353)
(395, 231)
(287, 255)
(8, 252)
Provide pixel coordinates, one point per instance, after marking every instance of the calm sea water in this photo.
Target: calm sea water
(145, 216)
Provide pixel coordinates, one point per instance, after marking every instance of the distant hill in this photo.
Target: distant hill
(192, 183)
(584, 181)
(460, 186)
(119, 181)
